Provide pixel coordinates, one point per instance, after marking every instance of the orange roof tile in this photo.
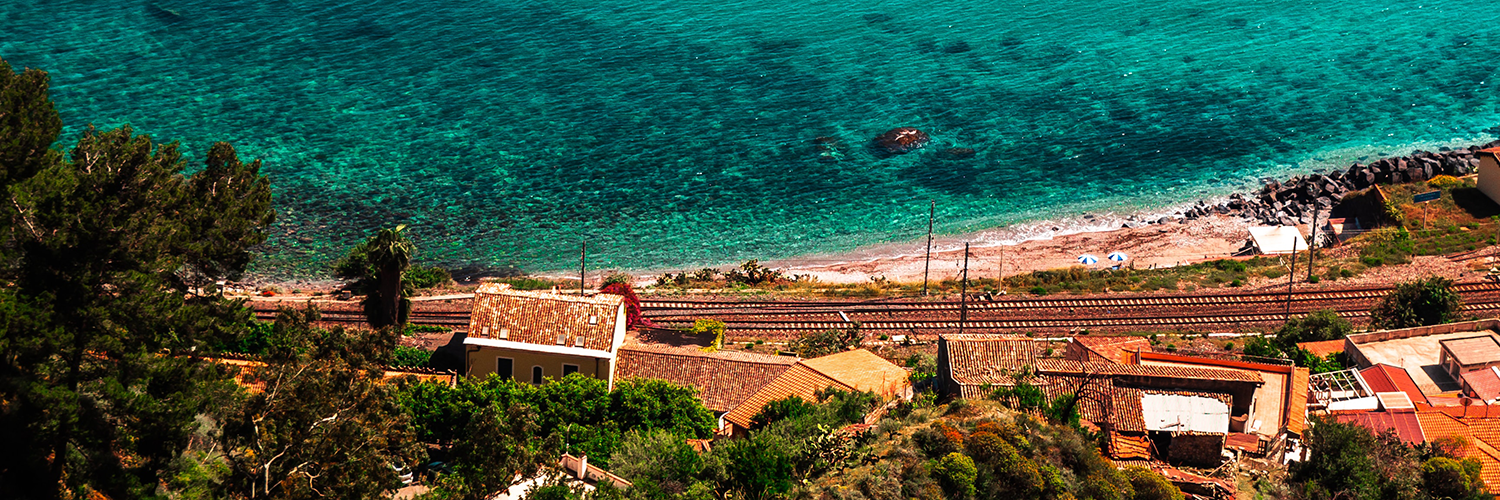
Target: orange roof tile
(1110, 349)
(1322, 348)
(1125, 410)
(1296, 408)
(1053, 366)
(724, 379)
(501, 313)
(979, 359)
(857, 370)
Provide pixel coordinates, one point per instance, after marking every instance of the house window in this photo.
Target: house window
(569, 369)
(505, 368)
(536, 374)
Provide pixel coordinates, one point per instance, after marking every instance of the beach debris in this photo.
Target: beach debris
(1088, 259)
(901, 140)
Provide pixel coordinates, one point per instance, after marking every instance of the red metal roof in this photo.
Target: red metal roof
(1404, 424)
(1387, 378)
(1485, 383)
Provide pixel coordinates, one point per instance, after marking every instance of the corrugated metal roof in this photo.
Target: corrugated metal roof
(1387, 378)
(542, 318)
(1485, 383)
(1184, 413)
(723, 379)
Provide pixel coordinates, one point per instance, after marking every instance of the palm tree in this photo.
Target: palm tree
(379, 264)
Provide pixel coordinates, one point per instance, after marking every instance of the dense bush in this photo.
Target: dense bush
(818, 344)
(1418, 303)
(410, 357)
(1349, 461)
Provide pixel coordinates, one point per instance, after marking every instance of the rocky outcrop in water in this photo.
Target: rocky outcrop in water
(901, 141)
(1294, 200)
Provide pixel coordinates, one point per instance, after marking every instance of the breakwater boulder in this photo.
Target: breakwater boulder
(900, 141)
(1294, 200)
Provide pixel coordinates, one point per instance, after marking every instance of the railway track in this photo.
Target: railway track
(787, 319)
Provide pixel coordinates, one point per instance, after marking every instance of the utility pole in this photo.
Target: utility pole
(963, 296)
(1312, 242)
(583, 264)
(931, 212)
(1289, 277)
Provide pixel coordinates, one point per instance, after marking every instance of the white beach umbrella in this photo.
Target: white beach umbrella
(1087, 259)
(1118, 256)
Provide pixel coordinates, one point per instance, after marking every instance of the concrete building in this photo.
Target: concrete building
(1489, 173)
(532, 335)
(1462, 355)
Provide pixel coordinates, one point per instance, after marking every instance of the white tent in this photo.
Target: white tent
(1271, 240)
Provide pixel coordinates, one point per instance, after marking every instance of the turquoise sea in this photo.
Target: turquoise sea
(674, 134)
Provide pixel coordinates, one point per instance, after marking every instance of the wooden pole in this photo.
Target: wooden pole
(963, 295)
(1312, 244)
(583, 264)
(931, 212)
(1290, 276)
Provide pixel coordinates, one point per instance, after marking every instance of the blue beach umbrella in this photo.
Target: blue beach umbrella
(1087, 259)
(1118, 256)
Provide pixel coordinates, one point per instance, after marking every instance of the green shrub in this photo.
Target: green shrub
(423, 277)
(956, 472)
(713, 329)
(410, 357)
(1418, 303)
(1037, 290)
(1320, 325)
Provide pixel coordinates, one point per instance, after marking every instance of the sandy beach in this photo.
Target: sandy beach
(1158, 245)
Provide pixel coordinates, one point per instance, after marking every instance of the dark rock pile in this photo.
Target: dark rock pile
(900, 141)
(1294, 200)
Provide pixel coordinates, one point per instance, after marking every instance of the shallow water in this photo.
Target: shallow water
(681, 133)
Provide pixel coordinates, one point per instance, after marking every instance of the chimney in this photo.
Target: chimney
(583, 468)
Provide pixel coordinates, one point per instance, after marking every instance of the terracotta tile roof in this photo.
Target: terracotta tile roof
(1125, 410)
(1296, 407)
(1438, 425)
(1474, 350)
(1387, 378)
(1485, 383)
(1129, 446)
(1109, 349)
(723, 379)
(1052, 366)
(1322, 348)
(978, 360)
(857, 370)
(1404, 424)
(531, 317)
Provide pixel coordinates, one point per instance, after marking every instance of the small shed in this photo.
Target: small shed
(1277, 240)
(1489, 173)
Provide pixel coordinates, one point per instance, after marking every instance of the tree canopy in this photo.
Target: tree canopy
(109, 253)
(1418, 303)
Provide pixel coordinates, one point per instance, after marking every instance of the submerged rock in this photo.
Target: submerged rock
(901, 140)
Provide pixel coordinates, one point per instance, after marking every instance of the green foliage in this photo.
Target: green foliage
(378, 267)
(790, 407)
(1317, 326)
(578, 411)
(752, 273)
(1259, 346)
(424, 277)
(1418, 303)
(410, 357)
(1148, 485)
(758, 466)
(1348, 461)
(711, 328)
(818, 344)
(325, 425)
(957, 473)
(108, 256)
(1444, 477)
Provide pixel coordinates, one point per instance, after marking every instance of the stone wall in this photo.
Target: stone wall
(1197, 450)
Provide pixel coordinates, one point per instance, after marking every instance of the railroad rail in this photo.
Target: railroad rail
(785, 319)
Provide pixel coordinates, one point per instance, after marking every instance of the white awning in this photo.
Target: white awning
(549, 349)
(1272, 240)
